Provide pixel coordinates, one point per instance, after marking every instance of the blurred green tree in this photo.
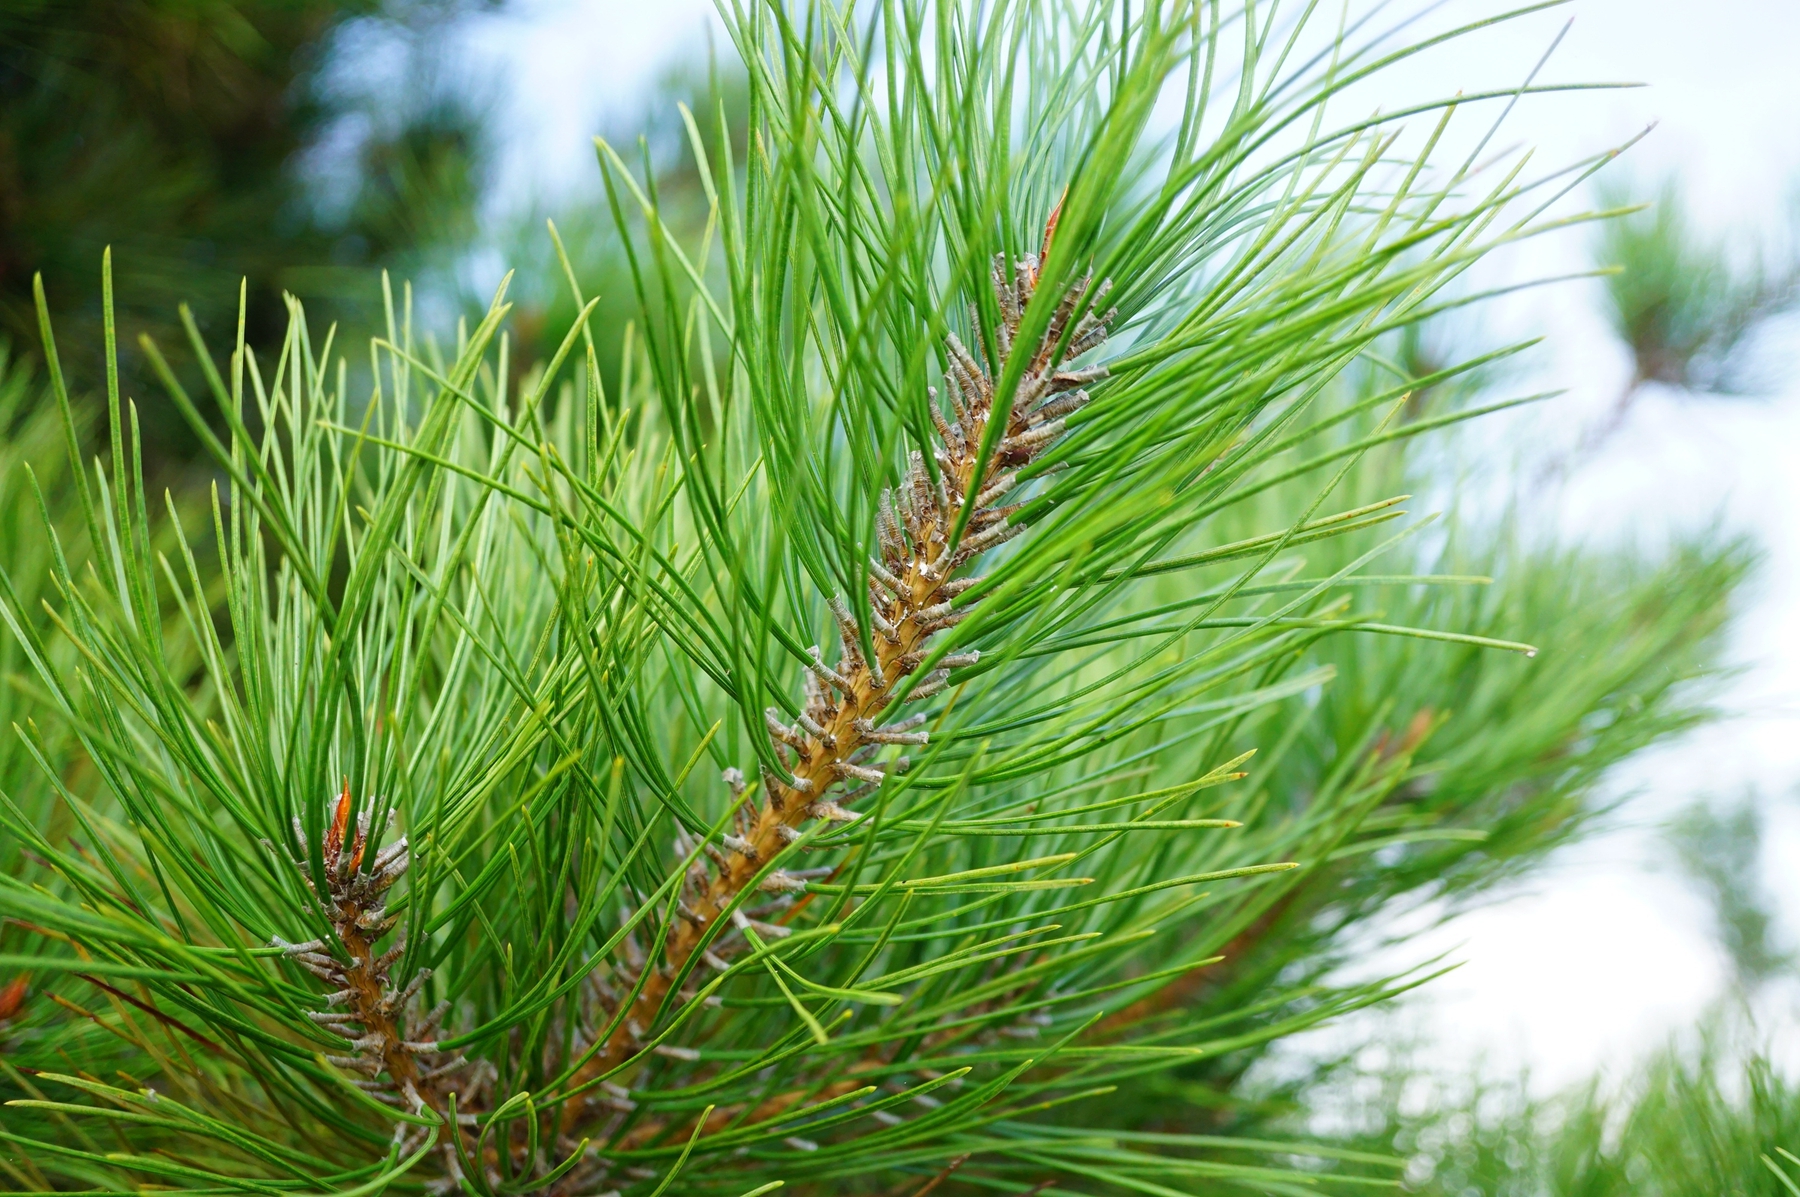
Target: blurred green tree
(1702, 1117)
(1685, 304)
(175, 131)
(1687, 307)
(1718, 845)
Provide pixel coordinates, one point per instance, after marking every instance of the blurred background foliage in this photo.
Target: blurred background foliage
(1503, 759)
(1718, 843)
(30, 434)
(1708, 1115)
(220, 127)
(1688, 305)
(1690, 309)
(301, 146)
(205, 121)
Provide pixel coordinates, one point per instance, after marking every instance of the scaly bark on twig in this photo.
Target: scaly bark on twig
(848, 715)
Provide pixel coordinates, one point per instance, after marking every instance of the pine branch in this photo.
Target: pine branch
(832, 749)
(564, 605)
(402, 1065)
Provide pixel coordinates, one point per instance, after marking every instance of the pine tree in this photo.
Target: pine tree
(890, 739)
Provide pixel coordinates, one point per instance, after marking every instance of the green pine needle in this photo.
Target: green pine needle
(494, 785)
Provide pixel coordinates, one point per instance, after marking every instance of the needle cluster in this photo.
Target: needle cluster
(390, 1044)
(840, 746)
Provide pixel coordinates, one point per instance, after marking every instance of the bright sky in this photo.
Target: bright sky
(1607, 954)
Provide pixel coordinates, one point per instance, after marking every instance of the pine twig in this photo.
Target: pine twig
(418, 1075)
(913, 583)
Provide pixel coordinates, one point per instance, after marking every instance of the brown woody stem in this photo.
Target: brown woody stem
(909, 601)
